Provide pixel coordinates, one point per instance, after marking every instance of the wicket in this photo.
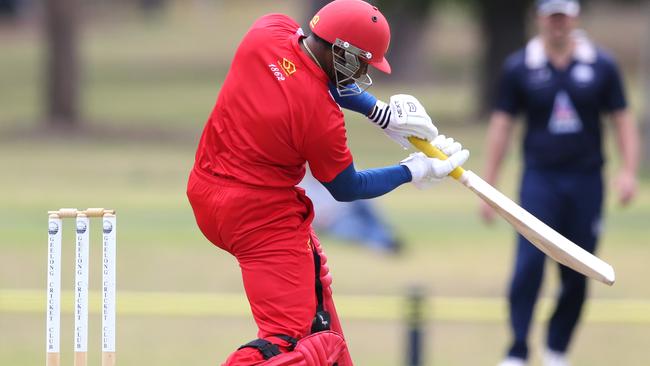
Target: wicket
(53, 315)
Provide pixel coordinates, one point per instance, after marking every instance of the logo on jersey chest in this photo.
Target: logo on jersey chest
(582, 74)
(564, 117)
(282, 69)
(288, 66)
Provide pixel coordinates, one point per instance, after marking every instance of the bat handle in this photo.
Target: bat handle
(433, 152)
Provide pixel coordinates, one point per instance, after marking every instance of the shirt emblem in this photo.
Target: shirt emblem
(582, 74)
(282, 69)
(564, 118)
(288, 66)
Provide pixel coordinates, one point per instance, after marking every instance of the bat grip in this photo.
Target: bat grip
(433, 152)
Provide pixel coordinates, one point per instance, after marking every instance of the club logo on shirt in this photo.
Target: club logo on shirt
(564, 117)
(288, 66)
(582, 74)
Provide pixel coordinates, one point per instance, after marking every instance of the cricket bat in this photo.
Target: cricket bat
(549, 241)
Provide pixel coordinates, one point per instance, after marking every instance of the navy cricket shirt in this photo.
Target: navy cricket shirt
(562, 107)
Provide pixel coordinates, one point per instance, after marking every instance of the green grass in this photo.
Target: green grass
(147, 90)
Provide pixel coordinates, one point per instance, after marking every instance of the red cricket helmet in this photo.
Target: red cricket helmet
(356, 26)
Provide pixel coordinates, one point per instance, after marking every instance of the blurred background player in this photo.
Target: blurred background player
(562, 83)
(359, 221)
(275, 113)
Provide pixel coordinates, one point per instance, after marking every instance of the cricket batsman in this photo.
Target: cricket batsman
(278, 109)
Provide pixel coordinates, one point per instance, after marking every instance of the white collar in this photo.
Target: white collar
(585, 51)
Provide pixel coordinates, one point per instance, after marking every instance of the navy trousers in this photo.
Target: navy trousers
(570, 203)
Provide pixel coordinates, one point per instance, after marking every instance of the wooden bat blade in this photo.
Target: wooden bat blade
(549, 241)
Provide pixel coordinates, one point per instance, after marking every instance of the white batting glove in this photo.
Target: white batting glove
(429, 171)
(404, 116)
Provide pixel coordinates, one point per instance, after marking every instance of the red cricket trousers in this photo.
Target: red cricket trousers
(269, 231)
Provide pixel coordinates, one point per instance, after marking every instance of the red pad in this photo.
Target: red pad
(318, 349)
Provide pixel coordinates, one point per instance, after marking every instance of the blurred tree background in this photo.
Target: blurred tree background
(503, 27)
(63, 65)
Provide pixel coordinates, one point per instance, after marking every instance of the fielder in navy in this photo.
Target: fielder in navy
(562, 83)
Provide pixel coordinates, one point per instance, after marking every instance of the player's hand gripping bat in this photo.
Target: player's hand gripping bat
(541, 235)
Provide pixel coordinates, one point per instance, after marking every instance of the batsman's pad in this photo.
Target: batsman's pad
(318, 349)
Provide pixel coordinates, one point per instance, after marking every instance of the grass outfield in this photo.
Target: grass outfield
(194, 318)
(160, 250)
(145, 107)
